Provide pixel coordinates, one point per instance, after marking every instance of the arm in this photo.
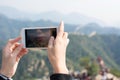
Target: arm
(57, 55)
(11, 55)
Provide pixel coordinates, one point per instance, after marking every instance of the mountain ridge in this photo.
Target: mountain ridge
(55, 16)
(36, 62)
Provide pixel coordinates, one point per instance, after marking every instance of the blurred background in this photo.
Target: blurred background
(94, 33)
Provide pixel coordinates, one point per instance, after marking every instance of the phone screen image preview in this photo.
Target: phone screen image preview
(39, 37)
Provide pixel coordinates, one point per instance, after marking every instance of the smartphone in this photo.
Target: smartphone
(37, 37)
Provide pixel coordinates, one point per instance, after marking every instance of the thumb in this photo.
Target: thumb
(51, 42)
(17, 49)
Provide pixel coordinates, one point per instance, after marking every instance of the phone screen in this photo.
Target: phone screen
(39, 37)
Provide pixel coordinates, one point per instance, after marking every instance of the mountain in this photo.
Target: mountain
(94, 27)
(72, 18)
(106, 46)
(36, 65)
(12, 27)
(13, 13)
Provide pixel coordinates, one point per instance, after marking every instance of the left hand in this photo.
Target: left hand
(57, 51)
(12, 53)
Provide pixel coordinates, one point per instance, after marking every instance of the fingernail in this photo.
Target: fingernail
(62, 23)
(51, 37)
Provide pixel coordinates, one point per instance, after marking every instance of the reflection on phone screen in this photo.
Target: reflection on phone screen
(39, 37)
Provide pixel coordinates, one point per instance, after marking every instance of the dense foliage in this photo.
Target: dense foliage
(82, 51)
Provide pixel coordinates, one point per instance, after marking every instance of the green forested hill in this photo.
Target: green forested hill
(106, 46)
(10, 28)
(36, 65)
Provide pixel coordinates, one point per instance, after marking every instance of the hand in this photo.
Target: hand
(57, 51)
(11, 55)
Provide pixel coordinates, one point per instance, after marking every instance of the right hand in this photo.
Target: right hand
(57, 51)
(12, 53)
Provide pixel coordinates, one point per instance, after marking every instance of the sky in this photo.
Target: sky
(105, 10)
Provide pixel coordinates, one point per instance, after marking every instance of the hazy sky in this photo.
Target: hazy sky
(105, 10)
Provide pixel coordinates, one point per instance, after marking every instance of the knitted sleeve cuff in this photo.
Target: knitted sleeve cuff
(60, 77)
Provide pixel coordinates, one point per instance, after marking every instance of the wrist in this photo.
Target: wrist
(61, 69)
(3, 77)
(5, 73)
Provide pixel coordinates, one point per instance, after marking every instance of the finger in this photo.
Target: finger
(17, 50)
(61, 29)
(65, 35)
(22, 52)
(51, 42)
(14, 46)
(12, 41)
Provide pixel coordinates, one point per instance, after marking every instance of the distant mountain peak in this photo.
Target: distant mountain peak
(56, 16)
